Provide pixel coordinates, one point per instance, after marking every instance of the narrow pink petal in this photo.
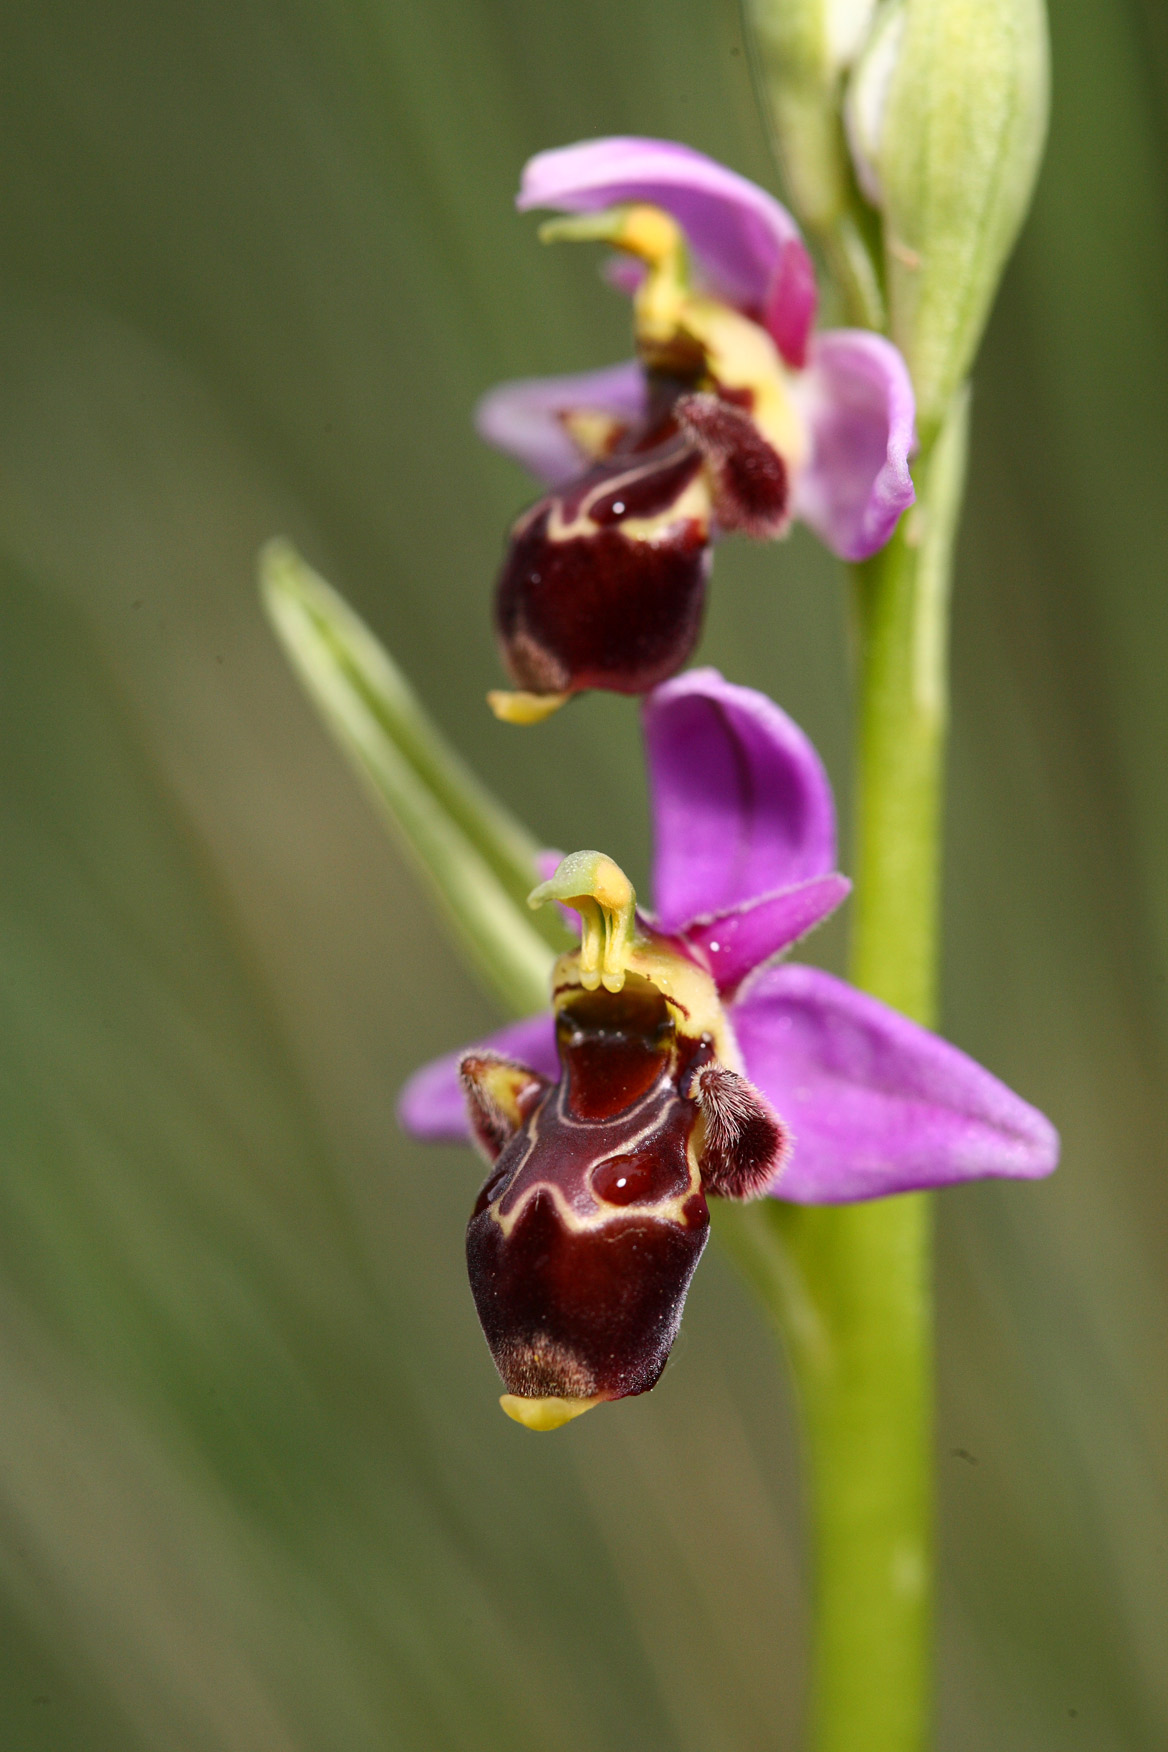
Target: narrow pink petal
(858, 403)
(524, 418)
(746, 246)
(789, 313)
(732, 944)
(432, 1105)
(741, 803)
(876, 1103)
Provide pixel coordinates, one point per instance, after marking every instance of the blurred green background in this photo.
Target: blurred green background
(259, 258)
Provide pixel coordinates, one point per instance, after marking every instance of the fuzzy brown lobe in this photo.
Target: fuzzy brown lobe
(589, 1228)
(745, 1145)
(751, 491)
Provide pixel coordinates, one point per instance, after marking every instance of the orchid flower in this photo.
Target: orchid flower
(735, 415)
(679, 1062)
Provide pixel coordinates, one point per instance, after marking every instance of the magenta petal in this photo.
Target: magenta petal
(876, 1103)
(432, 1106)
(858, 403)
(747, 246)
(732, 944)
(741, 803)
(789, 312)
(524, 418)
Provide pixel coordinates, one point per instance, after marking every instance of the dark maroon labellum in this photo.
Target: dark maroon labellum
(582, 1257)
(597, 607)
(588, 1230)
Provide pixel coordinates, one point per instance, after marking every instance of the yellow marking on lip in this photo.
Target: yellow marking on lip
(692, 505)
(546, 1414)
(741, 355)
(592, 432)
(605, 1215)
(523, 708)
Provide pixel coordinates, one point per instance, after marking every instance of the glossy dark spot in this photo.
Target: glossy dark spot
(491, 1188)
(649, 492)
(632, 1179)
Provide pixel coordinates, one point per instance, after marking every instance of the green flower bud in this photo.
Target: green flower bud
(946, 115)
(805, 46)
(804, 51)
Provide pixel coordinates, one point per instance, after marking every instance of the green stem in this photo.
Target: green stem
(848, 1289)
(902, 598)
(849, 1286)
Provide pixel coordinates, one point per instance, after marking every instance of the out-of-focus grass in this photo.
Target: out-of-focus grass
(254, 1489)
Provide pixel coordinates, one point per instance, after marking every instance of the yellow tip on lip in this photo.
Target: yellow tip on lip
(545, 1414)
(524, 708)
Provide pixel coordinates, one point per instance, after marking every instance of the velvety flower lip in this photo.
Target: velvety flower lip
(744, 847)
(746, 245)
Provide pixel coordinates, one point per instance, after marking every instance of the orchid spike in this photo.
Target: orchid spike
(712, 1072)
(736, 415)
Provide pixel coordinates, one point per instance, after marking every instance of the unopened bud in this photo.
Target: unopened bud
(805, 47)
(946, 116)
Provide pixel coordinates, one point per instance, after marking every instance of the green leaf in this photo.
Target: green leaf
(476, 860)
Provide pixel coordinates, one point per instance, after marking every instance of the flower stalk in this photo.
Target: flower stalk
(902, 610)
(849, 1287)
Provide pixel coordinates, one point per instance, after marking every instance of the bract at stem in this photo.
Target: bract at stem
(947, 112)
